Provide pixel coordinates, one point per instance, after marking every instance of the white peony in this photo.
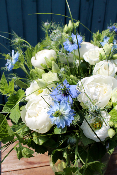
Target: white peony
(96, 90)
(85, 47)
(101, 133)
(32, 91)
(105, 68)
(36, 87)
(92, 56)
(34, 113)
(40, 56)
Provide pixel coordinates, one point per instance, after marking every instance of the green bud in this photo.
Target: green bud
(48, 62)
(70, 26)
(55, 67)
(44, 66)
(65, 30)
(114, 56)
(76, 24)
(111, 132)
(111, 123)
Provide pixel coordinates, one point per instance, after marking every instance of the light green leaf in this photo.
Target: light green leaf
(27, 153)
(60, 130)
(38, 139)
(15, 114)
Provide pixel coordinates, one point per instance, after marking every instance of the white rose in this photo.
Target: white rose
(85, 47)
(49, 78)
(32, 91)
(35, 90)
(40, 56)
(105, 68)
(34, 114)
(96, 90)
(101, 133)
(114, 95)
(92, 56)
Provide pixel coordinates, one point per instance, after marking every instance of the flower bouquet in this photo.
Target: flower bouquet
(67, 103)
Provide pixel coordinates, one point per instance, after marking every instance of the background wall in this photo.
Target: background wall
(15, 16)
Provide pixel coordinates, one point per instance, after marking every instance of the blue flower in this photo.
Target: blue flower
(105, 40)
(61, 114)
(14, 59)
(71, 43)
(65, 91)
(112, 28)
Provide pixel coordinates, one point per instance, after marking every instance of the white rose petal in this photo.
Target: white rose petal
(85, 47)
(39, 58)
(32, 91)
(49, 78)
(34, 114)
(92, 56)
(96, 90)
(101, 133)
(105, 68)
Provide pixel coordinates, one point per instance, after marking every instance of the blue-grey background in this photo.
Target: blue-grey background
(18, 16)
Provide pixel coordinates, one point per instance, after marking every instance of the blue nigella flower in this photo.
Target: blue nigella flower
(71, 43)
(61, 114)
(105, 40)
(114, 47)
(14, 59)
(65, 91)
(112, 28)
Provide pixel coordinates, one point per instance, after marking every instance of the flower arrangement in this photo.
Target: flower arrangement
(67, 102)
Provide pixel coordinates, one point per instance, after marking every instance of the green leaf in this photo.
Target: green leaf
(70, 170)
(92, 167)
(6, 134)
(60, 130)
(27, 153)
(13, 100)
(5, 88)
(15, 114)
(38, 139)
(21, 84)
(85, 140)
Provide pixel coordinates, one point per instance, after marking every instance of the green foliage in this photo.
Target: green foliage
(28, 56)
(23, 152)
(86, 141)
(91, 168)
(15, 114)
(60, 130)
(6, 134)
(13, 100)
(39, 139)
(5, 88)
(113, 114)
(21, 84)
(57, 154)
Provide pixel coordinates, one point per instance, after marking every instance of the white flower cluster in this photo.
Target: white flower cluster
(34, 113)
